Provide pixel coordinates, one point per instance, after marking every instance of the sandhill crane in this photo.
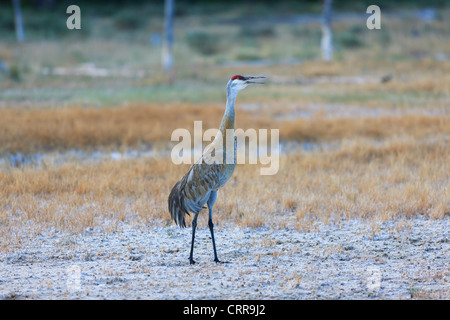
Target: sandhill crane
(200, 184)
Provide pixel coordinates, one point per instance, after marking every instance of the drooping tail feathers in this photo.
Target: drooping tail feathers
(177, 208)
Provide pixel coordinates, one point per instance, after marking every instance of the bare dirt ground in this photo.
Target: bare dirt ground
(402, 259)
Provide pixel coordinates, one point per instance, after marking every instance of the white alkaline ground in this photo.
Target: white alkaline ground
(400, 259)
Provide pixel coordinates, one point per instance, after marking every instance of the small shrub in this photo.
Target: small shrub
(203, 42)
(247, 54)
(384, 37)
(357, 29)
(15, 72)
(255, 31)
(43, 24)
(128, 20)
(306, 32)
(349, 39)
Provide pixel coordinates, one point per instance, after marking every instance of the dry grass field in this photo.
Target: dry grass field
(380, 180)
(365, 137)
(366, 167)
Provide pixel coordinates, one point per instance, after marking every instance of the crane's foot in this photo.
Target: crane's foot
(191, 261)
(218, 261)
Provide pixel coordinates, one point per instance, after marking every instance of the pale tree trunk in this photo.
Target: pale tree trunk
(327, 35)
(167, 58)
(18, 21)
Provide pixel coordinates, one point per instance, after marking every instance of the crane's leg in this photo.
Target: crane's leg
(194, 226)
(211, 201)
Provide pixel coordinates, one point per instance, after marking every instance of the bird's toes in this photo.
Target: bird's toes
(218, 261)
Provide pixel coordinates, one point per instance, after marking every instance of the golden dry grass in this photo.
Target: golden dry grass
(32, 130)
(379, 168)
(400, 176)
(324, 128)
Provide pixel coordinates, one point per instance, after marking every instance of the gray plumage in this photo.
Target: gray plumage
(199, 186)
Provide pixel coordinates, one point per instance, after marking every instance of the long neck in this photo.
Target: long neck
(228, 117)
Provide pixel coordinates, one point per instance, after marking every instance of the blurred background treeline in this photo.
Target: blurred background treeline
(124, 39)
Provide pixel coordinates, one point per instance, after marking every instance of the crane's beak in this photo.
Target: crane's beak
(249, 80)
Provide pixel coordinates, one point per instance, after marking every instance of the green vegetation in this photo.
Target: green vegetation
(203, 42)
(123, 42)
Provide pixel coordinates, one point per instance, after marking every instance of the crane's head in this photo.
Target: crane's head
(239, 82)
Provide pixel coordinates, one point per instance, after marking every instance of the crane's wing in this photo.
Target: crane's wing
(192, 191)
